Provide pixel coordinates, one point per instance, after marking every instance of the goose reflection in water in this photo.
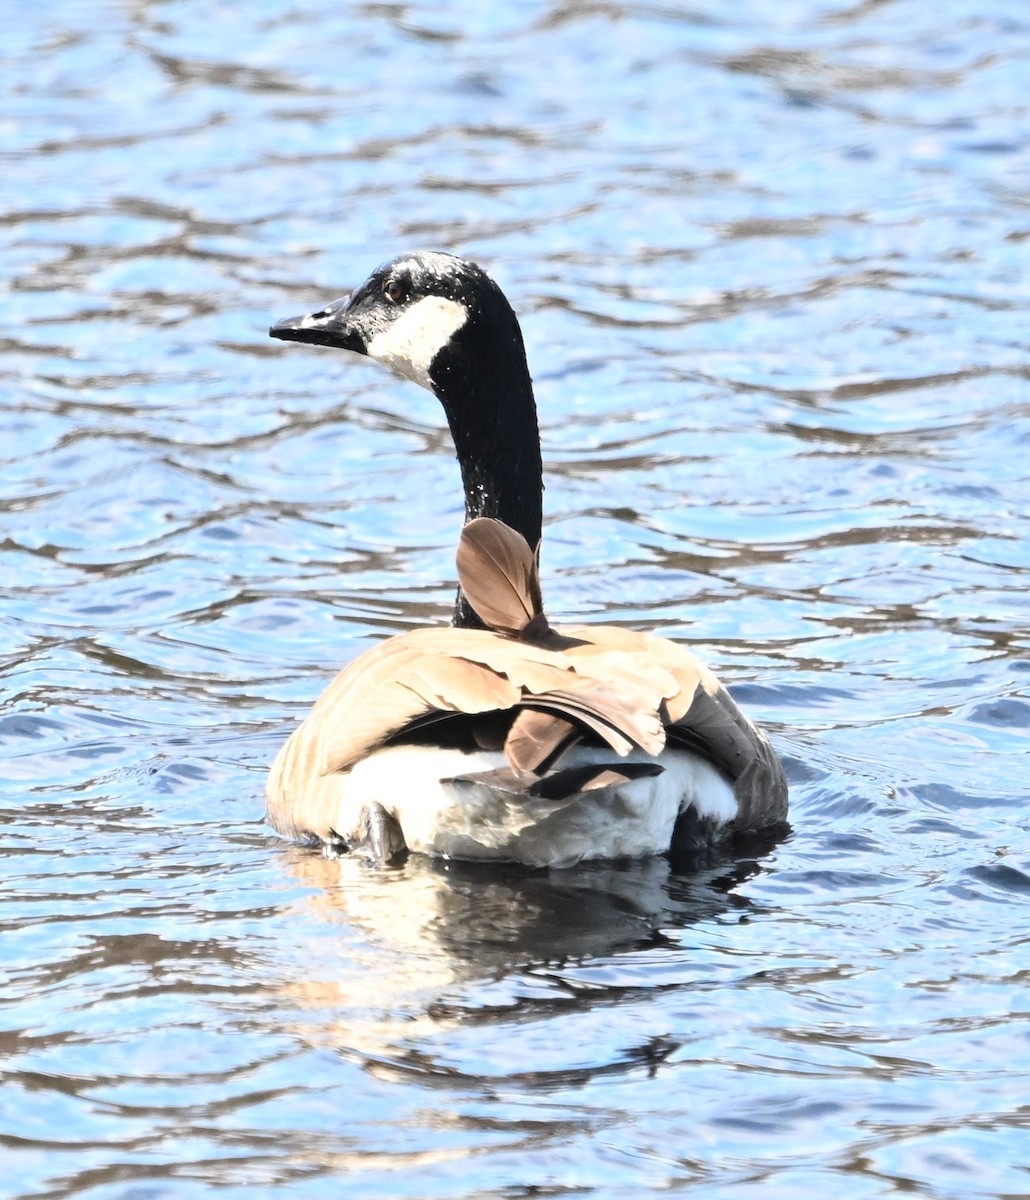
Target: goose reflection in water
(385, 955)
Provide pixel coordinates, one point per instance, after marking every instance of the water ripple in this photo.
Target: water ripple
(771, 266)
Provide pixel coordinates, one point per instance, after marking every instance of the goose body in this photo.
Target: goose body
(500, 737)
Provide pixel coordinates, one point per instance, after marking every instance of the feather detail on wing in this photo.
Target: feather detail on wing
(702, 716)
(537, 738)
(417, 675)
(498, 573)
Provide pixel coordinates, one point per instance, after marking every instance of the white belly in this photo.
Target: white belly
(476, 821)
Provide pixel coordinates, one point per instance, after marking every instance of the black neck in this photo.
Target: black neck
(483, 383)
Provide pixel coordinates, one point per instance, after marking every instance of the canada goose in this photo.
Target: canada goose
(498, 737)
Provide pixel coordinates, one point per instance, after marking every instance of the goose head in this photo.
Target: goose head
(425, 316)
(442, 322)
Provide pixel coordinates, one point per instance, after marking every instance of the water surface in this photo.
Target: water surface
(771, 262)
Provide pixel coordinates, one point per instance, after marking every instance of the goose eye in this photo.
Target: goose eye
(394, 291)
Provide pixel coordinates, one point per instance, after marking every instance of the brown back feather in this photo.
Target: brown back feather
(497, 572)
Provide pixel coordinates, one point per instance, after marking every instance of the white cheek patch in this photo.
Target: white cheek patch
(409, 344)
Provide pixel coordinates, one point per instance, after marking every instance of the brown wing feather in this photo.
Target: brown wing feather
(710, 721)
(497, 571)
(363, 709)
(611, 714)
(537, 738)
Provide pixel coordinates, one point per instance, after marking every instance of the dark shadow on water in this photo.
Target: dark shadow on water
(498, 916)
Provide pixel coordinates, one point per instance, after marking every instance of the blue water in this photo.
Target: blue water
(772, 263)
